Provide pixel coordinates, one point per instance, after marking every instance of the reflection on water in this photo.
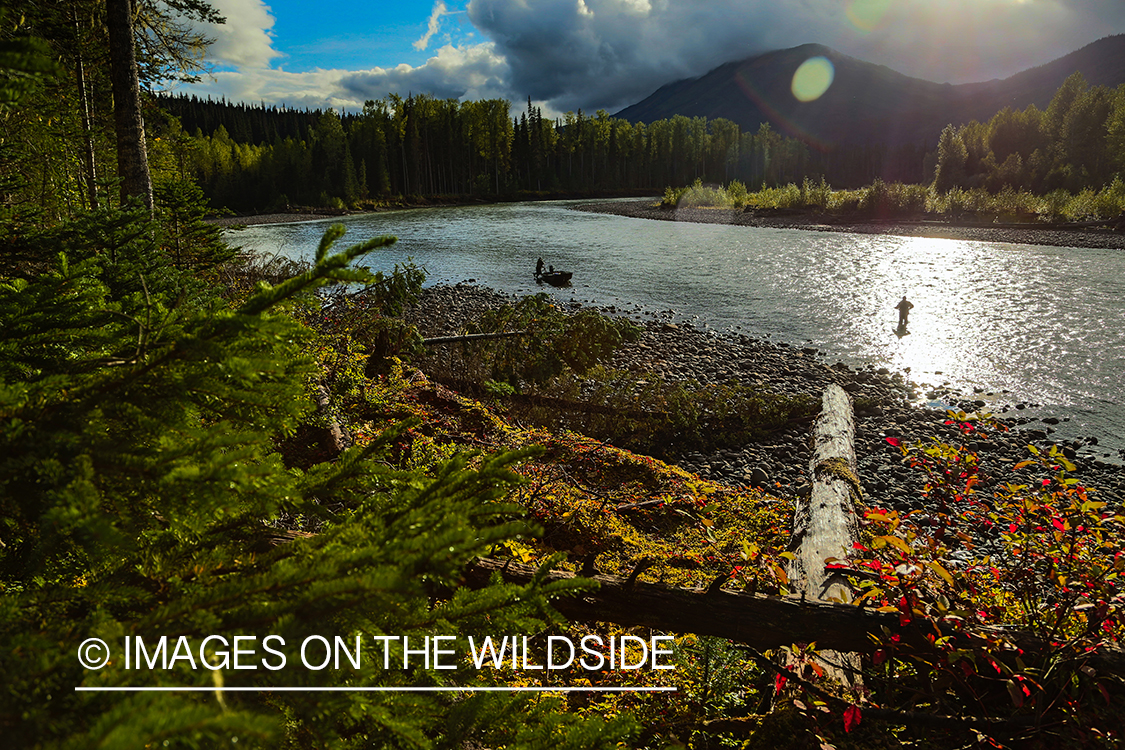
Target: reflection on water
(1040, 322)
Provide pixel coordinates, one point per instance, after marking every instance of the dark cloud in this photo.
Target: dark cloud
(608, 54)
(611, 53)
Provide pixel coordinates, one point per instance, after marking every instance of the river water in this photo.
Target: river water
(1031, 324)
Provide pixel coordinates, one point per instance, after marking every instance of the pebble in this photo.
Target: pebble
(683, 351)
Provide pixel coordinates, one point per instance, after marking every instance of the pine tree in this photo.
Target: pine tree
(141, 496)
(952, 156)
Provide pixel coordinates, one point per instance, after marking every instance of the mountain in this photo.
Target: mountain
(866, 103)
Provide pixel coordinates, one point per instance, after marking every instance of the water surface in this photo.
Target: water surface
(1042, 323)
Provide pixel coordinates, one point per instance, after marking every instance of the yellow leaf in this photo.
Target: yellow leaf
(896, 541)
(937, 568)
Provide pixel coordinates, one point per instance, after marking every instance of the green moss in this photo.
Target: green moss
(839, 468)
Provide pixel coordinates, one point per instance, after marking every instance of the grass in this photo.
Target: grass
(899, 201)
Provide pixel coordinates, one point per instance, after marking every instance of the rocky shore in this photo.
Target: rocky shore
(276, 218)
(1061, 236)
(884, 407)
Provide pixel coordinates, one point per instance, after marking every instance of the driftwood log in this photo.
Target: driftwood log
(471, 337)
(825, 525)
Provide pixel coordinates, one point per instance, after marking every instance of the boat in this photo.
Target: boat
(555, 278)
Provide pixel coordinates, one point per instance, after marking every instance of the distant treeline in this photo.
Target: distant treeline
(1078, 143)
(257, 158)
(262, 158)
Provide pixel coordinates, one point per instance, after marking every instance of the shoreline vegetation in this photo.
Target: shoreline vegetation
(984, 226)
(1108, 234)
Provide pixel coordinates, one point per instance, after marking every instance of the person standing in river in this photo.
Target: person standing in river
(904, 307)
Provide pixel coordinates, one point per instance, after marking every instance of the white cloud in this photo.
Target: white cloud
(453, 73)
(473, 72)
(434, 25)
(245, 39)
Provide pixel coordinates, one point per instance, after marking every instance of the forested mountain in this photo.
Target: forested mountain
(866, 104)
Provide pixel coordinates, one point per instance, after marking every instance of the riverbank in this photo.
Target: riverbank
(649, 208)
(311, 213)
(1061, 236)
(884, 407)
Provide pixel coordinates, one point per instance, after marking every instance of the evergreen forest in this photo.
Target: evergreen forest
(252, 158)
(223, 478)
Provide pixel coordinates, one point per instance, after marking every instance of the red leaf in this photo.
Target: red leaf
(779, 683)
(852, 717)
(1058, 524)
(879, 656)
(894, 441)
(1015, 693)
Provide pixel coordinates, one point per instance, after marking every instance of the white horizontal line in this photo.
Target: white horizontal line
(191, 689)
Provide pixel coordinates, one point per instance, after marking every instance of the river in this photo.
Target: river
(1031, 324)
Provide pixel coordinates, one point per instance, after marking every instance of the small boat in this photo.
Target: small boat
(555, 278)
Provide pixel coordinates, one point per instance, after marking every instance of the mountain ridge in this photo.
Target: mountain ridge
(866, 103)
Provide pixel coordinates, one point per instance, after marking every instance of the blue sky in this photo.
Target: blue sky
(606, 54)
(359, 35)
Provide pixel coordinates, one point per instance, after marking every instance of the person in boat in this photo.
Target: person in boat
(904, 307)
(539, 267)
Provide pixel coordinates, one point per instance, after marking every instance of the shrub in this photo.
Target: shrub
(142, 495)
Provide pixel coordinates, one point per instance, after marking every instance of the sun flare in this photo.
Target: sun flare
(813, 78)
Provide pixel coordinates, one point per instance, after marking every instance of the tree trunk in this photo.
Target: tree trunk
(132, 157)
(90, 174)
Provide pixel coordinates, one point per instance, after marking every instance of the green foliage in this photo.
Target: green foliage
(647, 414)
(817, 195)
(952, 157)
(141, 496)
(700, 195)
(736, 192)
(1034, 591)
(186, 238)
(551, 343)
(25, 61)
(898, 201)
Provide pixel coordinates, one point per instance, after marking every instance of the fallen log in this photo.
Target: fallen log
(471, 337)
(757, 620)
(825, 524)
